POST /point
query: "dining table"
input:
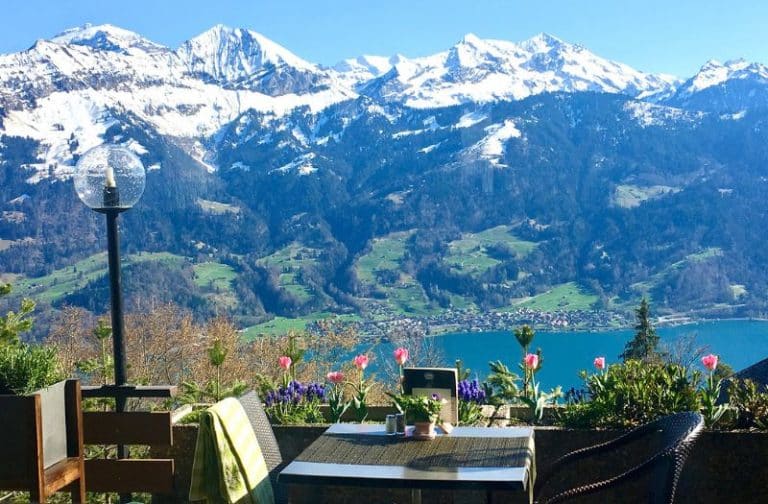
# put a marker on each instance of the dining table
(362, 463)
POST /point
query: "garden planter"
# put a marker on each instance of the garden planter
(53, 425)
(424, 431)
(42, 442)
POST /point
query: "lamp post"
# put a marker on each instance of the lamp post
(110, 180)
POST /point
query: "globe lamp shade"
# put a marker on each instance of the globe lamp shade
(109, 177)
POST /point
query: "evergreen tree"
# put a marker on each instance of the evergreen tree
(643, 345)
(13, 324)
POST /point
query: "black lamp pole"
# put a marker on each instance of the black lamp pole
(112, 210)
(116, 291)
(96, 183)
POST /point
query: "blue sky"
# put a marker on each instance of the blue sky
(672, 36)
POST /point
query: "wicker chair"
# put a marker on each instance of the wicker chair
(267, 442)
(678, 433)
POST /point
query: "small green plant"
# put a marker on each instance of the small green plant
(750, 403)
(632, 393)
(25, 368)
(504, 383)
(214, 390)
(712, 411)
(337, 404)
(361, 389)
(419, 408)
(217, 354)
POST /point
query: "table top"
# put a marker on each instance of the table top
(468, 458)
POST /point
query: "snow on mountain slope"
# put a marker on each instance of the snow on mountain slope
(649, 114)
(356, 71)
(714, 73)
(244, 59)
(729, 88)
(232, 53)
(67, 91)
(106, 37)
(478, 70)
(491, 147)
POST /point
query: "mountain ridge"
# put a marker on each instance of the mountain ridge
(474, 177)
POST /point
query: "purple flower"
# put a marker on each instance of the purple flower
(471, 391)
(295, 392)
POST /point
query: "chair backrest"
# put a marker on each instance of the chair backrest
(262, 428)
(443, 381)
(253, 407)
(677, 434)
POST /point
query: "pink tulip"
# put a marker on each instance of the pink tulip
(361, 362)
(285, 362)
(709, 361)
(599, 363)
(401, 355)
(335, 377)
(531, 361)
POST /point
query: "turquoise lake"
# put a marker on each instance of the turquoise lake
(740, 343)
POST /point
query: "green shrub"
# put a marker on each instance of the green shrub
(751, 405)
(631, 394)
(26, 368)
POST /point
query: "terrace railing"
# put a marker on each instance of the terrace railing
(153, 429)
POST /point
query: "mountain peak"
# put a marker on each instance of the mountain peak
(105, 37)
(543, 42)
(243, 51)
(471, 39)
(710, 65)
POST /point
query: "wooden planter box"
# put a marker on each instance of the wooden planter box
(41, 440)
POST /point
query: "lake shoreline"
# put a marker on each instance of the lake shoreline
(602, 329)
(740, 342)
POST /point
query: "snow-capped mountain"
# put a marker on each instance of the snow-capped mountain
(107, 37)
(732, 87)
(356, 71)
(607, 172)
(479, 70)
(243, 59)
(67, 90)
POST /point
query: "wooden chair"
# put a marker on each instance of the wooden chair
(28, 425)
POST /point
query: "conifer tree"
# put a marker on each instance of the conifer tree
(643, 345)
(13, 324)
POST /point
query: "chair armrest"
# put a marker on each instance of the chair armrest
(583, 453)
(604, 484)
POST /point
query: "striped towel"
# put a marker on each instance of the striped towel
(229, 466)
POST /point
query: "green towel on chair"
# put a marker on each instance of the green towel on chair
(229, 466)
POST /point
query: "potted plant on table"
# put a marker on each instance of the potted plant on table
(423, 411)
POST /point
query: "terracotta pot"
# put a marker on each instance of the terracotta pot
(424, 430)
